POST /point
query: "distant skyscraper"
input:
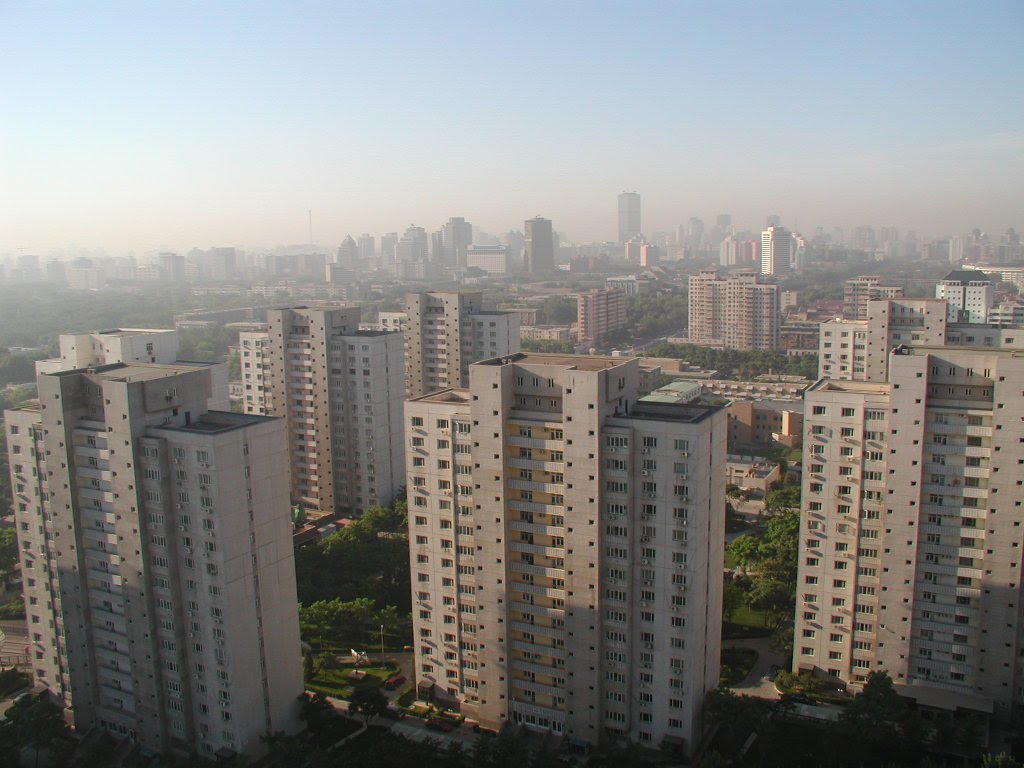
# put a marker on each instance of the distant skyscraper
(629, 216)
(772, 220)
(348, 253)
(456, 237)
(539, 245)
(777, 249)
(367, 247)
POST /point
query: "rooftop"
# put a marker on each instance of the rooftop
(858, 387)
(444, 396)
(684, 412)
(967, 276)
(576, 362)
(129, 372)
(125, 332)
(214, 422)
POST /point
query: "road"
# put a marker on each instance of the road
(752, 684)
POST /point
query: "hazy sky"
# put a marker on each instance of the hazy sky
(141, 125)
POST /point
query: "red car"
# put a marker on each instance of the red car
(441, 724)
(393, 682)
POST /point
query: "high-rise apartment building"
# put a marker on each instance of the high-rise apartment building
(538, 245)
(340, 389)
(858, 291)
(448, 330)
(566, 544)
(736, 251)
(858, 350)
(599, 312)
(155, 547)
(910, 553)
(737, 311)
(970, 294)
(778, 251)
(629, 216)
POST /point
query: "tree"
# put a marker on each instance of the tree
(36, 722)
(744, 549)
(369, 702)
(733, 598)
(8, 554)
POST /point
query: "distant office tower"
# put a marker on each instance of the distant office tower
(156, 557)
(367, 248)
(223, 264)
(970, 294)
(172, 267)
(777, 251)
(539, 245)
(492, 259)
(629, 216)
(650, 255)
(910, 550)
(858, 291)
(456, 238)
(724, 222)
(772, 220)
(348, 253)
(695, 233)
(734, 251)
(598, 313)
(340, 389)
(735, 312)
(412, 252)
(566, 550)
(388, 250)
(633, 247)
(447, 331)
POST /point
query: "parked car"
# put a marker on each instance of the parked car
(394, 682)
(391, 712)
(441, 724)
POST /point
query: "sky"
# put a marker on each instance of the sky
(136, 126)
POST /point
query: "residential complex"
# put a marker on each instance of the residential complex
(911, 528)
(341, 390)
(599, 312)
(566, 545)
(858, 291)
(448, 330)
(858, 350)
(737, 311)
(156, 557)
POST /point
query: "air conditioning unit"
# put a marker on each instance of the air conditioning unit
(652, 495)
(645, 539)
(645, 561)
(648, 583)
(611, 450)
(644, 472)
(645, 450)
(643, 603)
(684, 477)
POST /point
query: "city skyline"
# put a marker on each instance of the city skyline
(175, 127)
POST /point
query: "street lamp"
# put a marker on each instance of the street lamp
(382, 642)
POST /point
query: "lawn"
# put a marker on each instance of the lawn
(745, 622)
(332, 679)
(736, 664)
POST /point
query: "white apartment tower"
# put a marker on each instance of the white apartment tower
(566, 545)
(910, 554)
(737, 311)
(969, 293)
(341, 391)
(778, 251)
(448, 330)
(156, 554)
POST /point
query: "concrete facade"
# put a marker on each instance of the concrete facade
(566, 549)
(734, 312)
(155, 542)
(910, 556)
